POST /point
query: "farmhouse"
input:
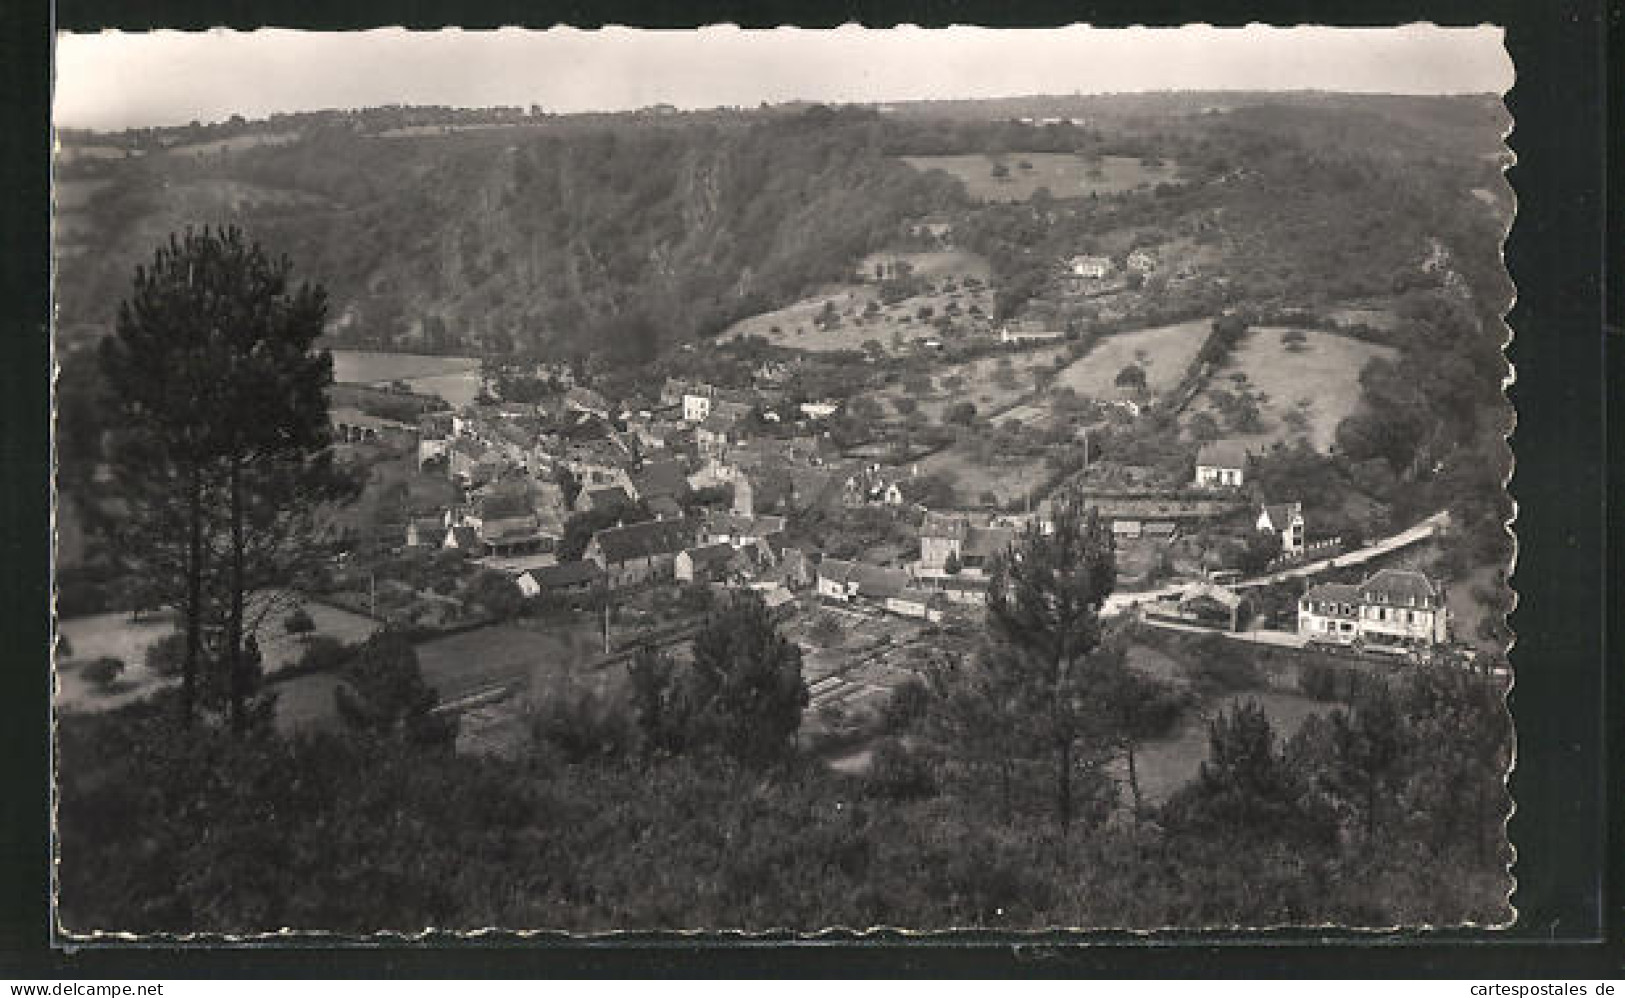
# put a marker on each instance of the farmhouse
(1284, 520)
(1393, 608)
(638, 552)
(1221, 464)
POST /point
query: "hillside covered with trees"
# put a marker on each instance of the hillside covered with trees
(524, 234)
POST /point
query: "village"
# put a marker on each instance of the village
(619, 516)
(1007, 512)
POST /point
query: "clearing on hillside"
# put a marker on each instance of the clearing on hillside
(893, 326)
(1162, 352)
(933, 265)
(983, 382)
(1320, 379)
(1065, 174)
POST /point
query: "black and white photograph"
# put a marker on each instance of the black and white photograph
(737, 481)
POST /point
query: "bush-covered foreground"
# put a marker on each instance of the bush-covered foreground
(1381, 815)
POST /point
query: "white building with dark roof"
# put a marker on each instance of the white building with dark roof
(1221, 464)
(1394, 607)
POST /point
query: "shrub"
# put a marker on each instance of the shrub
(164, 656)
(906, 705)
(898, 774)
(323, 653)
(299, 622)
(104, 671)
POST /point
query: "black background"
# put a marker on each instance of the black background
(1567, 782)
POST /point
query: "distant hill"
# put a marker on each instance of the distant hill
(506, 230)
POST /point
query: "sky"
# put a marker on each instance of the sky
(116, 80)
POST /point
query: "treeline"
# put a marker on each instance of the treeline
(1383, 813)
(679, 798)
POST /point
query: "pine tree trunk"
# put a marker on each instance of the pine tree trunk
(194, 598)
(234, 676)
(1133, 781)
(1063, 784)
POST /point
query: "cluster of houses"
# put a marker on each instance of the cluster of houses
(689, 494)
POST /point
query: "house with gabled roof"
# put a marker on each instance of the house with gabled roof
(1393, 608)
(1221, 464)
(706, 563)
(634, 553)
(566, 577)
(1284, 520)
(608, 497)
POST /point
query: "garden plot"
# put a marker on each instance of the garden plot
(1065, 175)
(1320, 380)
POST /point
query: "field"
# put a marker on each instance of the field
(460, 664)
(1377, 317)
(455, 379)
(895, 326)
(933, 265)
(1008, 478)
(1164, 352)
(980, 383)
(1325, 374)
(280, 649)
(1066, 175)
(456, 666)
(112, 635)
(116, 635)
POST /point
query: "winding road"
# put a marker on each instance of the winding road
(1118, 603)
